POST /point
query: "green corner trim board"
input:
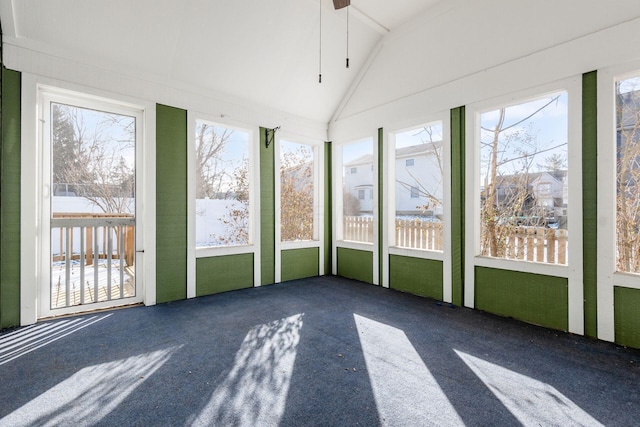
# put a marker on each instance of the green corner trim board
(533, 298)
(267, 209)
(590, 200)
(457, 203)
(171, 203)
(328, 208)
(10, 151)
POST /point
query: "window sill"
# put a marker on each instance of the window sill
(416, 253)
(523, 266)
(225, 250)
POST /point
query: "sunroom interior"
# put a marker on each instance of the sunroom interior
(479, 153)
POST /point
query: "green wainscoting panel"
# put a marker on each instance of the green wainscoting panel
(381, 210)
(590, 201)
(328, 208)
(10, 200)
(416, 276)
(457, 203)
(223, 273)
(267, 211)
(299, 263)
(355, 264)
(627, 316)
(171, 203)
(533, 298)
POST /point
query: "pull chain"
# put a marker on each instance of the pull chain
(320, 49)
(347, 37)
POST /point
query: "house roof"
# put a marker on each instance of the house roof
(427, 147)
(366, 159)
(413, 150)
(516, 179)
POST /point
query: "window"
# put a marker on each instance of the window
(523, 180)
(354, 170)
(297, 192)
(627, 98)
(223, 197)
(357, 209)
(419, 192)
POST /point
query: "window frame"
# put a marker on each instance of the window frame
(573, 269)
(318, 190)
(209, 251)
(318, 203)
(338, 201)
(608, 277)
(390, 196)
(34, 270)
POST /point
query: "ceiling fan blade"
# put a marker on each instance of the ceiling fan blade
(339, 4)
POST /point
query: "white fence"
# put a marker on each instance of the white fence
(537, 244)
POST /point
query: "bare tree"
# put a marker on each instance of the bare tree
(210, 169)
(505, 197)
(296, 195)
(628, 176)
(96, 156)
(236, 217)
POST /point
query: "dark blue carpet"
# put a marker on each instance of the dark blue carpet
(320, 351)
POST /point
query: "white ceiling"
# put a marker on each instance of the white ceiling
(262, 52)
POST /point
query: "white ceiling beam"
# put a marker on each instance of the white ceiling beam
(7, 12)
(366, 19)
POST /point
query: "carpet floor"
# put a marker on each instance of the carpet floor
(319, 351)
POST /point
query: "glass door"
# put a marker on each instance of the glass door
(90, 173)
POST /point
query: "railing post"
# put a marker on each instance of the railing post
(530, 237)
(551, 246)
(540, 244)
(89, 243)
(562, 246)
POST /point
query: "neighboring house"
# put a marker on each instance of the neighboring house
(358, 181)
(419, 181)
(419, 184)
(545, 197)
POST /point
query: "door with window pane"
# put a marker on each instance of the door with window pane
(91, 206)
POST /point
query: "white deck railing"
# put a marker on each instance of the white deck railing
(81, 243)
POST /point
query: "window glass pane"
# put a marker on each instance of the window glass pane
(93, 160)
(419, 187)
(222, 186)
(93, 225)
(523, 180)
(628, 175)
(296, 191)
(357, 209)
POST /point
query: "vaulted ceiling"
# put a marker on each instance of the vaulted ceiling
(266, 52)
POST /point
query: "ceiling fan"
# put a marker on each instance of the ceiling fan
(339, 4)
